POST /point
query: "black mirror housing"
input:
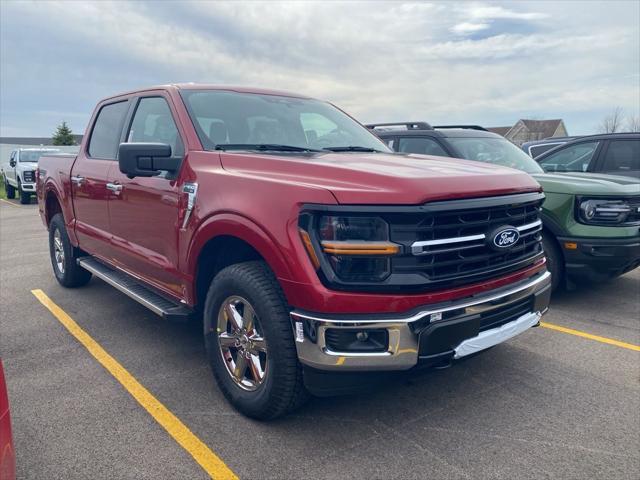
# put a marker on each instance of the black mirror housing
(146, 159)
(12, 163)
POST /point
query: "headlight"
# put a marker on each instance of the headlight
(356, 249)
(603, 211)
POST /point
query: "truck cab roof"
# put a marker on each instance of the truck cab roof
(208, 86)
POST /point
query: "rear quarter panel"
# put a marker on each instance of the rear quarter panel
(54, 179)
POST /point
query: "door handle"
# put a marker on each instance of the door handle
(77, 180)
(114, 187)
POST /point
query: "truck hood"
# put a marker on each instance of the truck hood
(581, 183)
(380, 178)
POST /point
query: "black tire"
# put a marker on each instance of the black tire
(25, 197)
(555, 261)
(282, 389)
(10, 189)
(70, 274)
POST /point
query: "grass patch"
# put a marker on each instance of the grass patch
(3, 194)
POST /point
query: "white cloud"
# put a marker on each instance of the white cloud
(379, 61)
(479, 11)
(466, 28)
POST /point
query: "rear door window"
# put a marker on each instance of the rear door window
(421, 145)
(105, 136)
(622, 157)
(574, 158)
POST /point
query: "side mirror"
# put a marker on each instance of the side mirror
(12, 162)
(146, 159)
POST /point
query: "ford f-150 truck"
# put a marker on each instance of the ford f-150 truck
(20, 172)
(313, 254)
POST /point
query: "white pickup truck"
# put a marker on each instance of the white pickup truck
(20, 172)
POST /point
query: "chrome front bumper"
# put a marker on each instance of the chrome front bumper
(403, 350)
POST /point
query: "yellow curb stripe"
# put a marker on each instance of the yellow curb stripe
(9, 203)
(597, 338)
(208, 460)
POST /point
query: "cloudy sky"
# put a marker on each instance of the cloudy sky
(489, 63)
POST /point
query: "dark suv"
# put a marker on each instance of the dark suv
(590, 219)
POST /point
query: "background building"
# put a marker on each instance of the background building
(528, 130)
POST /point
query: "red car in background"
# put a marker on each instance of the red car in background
(7, 455)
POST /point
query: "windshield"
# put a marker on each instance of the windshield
(498, 151)
(271, 121)
(32, 156)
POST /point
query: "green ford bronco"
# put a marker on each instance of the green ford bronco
(591, 220)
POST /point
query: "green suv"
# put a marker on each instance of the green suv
(591, 220)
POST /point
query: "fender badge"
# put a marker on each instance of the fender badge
(191, 189)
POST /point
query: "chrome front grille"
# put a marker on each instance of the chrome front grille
(452, 244)
(442, 245)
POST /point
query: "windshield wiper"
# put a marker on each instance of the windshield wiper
(352, 148)
(264, 147)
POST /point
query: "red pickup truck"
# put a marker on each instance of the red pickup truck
(314, 255)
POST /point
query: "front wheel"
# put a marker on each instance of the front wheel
(10, 189)
(25, 197)
(64, 256)
(249, 342)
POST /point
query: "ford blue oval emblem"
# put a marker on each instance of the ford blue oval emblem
(506, 237)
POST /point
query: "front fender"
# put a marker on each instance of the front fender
(235, 225)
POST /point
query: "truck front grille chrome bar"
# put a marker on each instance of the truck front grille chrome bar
(417, 248)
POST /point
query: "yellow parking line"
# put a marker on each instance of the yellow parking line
(597, 338)
(9, 203)
(208, 460)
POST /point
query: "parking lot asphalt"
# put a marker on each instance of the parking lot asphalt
(546, 404)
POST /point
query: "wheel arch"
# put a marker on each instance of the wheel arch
(227, 239)
(552, 230)
(550, 224)
(52, 206)
(548, 233)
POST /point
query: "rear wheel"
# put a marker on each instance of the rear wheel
(10, 189)
(555, 261)
(25, 197)
(64, 256)
(249, 341)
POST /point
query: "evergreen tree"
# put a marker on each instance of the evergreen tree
(63, 135)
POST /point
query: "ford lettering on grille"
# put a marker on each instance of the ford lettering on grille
(506, 237)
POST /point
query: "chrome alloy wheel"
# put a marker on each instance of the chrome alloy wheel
(58, 250)
(242, 344)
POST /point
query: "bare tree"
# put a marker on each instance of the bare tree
(633, 123)
(612, 123)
